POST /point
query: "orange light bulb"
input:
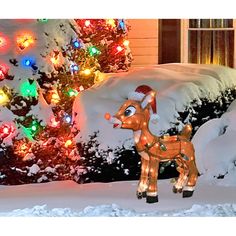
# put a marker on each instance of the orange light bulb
(107, 116)
(24, 41)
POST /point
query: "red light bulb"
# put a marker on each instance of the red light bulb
(3, 72)
(6, 130)
(54, 122)
(87, 23)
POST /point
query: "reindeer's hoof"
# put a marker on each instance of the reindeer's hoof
(187, 193)
(177, 190)
(144, 194)
(151, 199)
(141, 195)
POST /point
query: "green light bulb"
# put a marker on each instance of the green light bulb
(43, 20)
(72, 92)
(31, 130)
(28, 90)
(34, 128)
(93, 51)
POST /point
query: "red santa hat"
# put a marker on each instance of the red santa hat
(138, 95)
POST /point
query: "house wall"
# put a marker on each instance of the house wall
(143, 37)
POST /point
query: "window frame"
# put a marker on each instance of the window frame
(185, 43)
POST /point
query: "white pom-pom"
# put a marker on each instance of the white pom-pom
(154, 118)
(135, 96)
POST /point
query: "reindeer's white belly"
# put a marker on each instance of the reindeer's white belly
(137, 135)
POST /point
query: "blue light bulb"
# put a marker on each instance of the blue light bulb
(27, 62)
(68, 119)
(76, 44)
(122, 24)
(76, 68)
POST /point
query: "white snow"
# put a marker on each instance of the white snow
(215, 148)
(177, 86)
(66, 198)
(114, 210)
(33, 170)
(50, 36)
(50, 169)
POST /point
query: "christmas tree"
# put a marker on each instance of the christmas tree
(44, 65)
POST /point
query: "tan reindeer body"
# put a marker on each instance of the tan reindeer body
(135, 115)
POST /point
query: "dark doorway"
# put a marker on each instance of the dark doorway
(169, 41)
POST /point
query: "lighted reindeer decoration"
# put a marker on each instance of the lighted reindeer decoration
(135, 114)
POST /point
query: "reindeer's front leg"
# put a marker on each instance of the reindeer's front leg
(143, 181)
(152, 196)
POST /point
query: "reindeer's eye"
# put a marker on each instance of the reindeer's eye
(130, 111)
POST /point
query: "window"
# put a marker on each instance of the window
(211, 41)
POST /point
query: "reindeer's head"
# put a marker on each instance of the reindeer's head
(133, 114)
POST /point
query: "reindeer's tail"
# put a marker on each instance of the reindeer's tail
(187, 131)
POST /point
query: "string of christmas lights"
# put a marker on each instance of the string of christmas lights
(100, 45)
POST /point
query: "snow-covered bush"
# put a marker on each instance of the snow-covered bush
(215, 148)
(186, 93)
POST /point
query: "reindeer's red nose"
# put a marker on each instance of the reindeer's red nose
(107, 116)
(115, 125)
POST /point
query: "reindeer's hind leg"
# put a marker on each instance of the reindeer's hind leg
(192, 178)
(183, 176)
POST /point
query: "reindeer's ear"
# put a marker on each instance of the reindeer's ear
(148, 99)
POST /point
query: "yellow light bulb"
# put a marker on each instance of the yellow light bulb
(68, 143)
(126, 43)
(54, 61)
(26, 44)
(86, 72)
(87, 23)
(3, 98)
(111, 22)
(55, 97)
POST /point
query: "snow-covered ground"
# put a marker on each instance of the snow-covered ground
(66, 198)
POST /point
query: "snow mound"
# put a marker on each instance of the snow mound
(215, 148)
(41, 211)
(177, 85)
(195, 210)
(114, 210)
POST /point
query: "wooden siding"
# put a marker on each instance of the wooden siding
(143, 37)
